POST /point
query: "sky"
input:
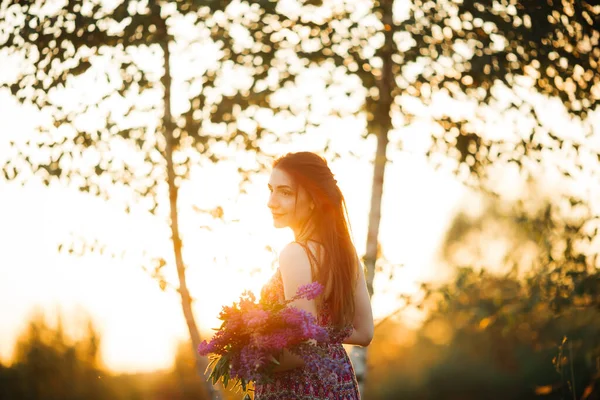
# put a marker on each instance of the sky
(139, 323)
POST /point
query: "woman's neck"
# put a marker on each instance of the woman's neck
(306, 232)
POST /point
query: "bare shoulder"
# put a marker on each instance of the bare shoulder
(295, 270)
(293, 260)
(293, 253)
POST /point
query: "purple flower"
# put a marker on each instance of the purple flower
(294, 316)
(304, 322)
(205, 348)
(251, 359)
(310, 291)
(216, 345)
(255, 318)
(277, 340)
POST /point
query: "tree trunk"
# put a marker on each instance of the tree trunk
(382, 125)
(186, 301)
(359, 354)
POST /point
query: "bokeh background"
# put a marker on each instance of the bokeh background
(136, 139)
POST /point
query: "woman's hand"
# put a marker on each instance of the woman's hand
(288, 361)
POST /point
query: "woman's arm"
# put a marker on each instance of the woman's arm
(362, 334)
(294, 266)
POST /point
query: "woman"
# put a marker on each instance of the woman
(305, 197)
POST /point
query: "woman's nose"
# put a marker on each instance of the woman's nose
(271, 203)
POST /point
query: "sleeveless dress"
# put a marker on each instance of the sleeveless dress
(302, 383)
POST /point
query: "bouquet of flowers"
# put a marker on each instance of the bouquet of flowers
(254, 334)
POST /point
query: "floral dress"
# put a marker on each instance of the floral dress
(302, 383)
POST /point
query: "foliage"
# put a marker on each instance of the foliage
(534, 314)
(510, 59)
(559, 233)
(402, 56)
(49, 365)
(103, 77)
(554, 43)
(489, 336)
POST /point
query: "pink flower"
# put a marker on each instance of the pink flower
(295, 316)
(277, 340)
(255, 318)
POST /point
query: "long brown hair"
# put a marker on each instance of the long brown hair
(330, 225)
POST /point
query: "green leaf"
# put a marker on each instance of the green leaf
(225, 380)
(275, 360)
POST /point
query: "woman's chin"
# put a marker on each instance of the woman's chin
(278, 225)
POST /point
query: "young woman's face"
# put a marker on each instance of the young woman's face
(290, 204)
